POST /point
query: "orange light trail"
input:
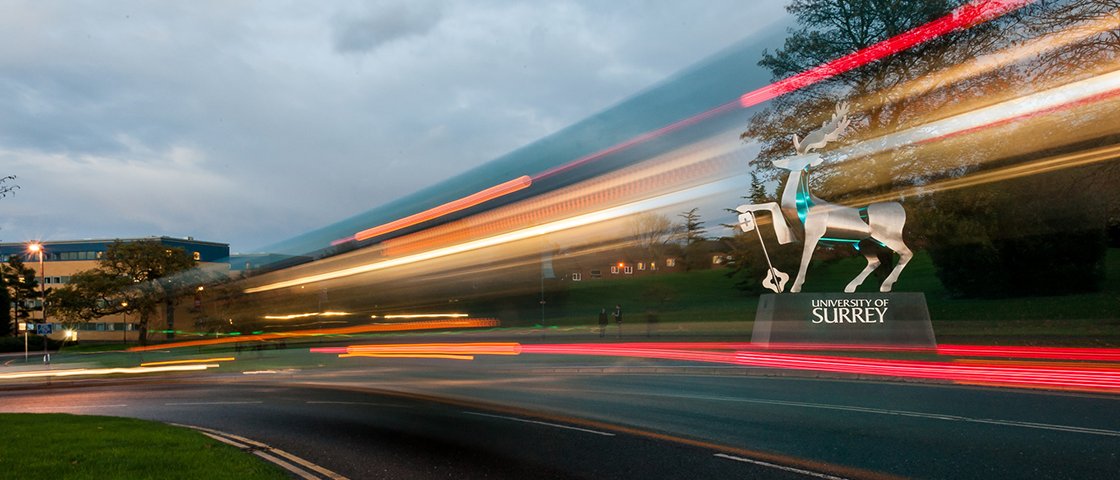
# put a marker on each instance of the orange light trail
(500, 190)
(179, 362)
(394, 327)
(456, 351)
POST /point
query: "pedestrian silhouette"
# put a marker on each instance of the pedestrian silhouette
(618, 318)
(602, 322)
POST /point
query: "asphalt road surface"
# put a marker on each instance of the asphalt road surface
(437, 419)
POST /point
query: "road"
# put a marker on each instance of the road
(381, 418)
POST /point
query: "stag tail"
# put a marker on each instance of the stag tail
(830, 131)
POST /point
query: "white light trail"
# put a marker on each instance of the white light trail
(612, 213)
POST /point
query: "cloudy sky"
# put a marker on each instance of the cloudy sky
(252, 122)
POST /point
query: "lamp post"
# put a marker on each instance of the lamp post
(36, 247)
(124, 323)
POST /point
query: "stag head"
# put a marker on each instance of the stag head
(830, 131)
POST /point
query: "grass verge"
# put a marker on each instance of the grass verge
(64, 446)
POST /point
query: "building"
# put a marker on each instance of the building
(64, 258)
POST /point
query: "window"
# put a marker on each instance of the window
(614, 270)
(629, 270)
(670, 262)
(197, 256)
(596, 274)
(653, 265)
(576, 277)
(641, 265)
(717, 259)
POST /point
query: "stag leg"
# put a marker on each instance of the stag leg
(815, 227)
(887, 220)
(869, 252)
(904, 256)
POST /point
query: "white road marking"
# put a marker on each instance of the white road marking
(904, 413)
(780, 467)
(569, 427)
(212, 403)
(371, 404)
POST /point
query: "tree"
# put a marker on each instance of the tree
(758, 191)
(5, 314)
(6, 190)
(90, 295)
(22, 284)
(653, 233)
(692, 228)
(133, 277)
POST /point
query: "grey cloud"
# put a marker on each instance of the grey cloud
(368, 31)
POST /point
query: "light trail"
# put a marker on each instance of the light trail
(104, 371)
(454, 351)
(523, 234)
(305, 315)
(964, 17)
(993, 61)
(1081, 378)
(180, 362)
(1035, 167)
(358, 329)
(468, 201)
(423, 315)
(1066, 96)
(967, 16)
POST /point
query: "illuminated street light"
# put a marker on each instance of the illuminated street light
(36, 247)
(124, 323)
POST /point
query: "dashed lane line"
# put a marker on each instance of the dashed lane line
(368, 404)
(248, 402)
(780, 467)
(905, 413)
(538, 422)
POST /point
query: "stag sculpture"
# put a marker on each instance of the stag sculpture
(814, 220)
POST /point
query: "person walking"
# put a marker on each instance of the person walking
(618, 318)
(602, 322)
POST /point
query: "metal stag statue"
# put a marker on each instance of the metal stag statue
(813, 219)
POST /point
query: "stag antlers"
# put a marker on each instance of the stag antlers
(829, 131)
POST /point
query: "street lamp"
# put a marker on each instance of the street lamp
(124, 323)
(36, 247)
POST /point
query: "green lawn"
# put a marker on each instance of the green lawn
(709, 295)
(63, 446)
